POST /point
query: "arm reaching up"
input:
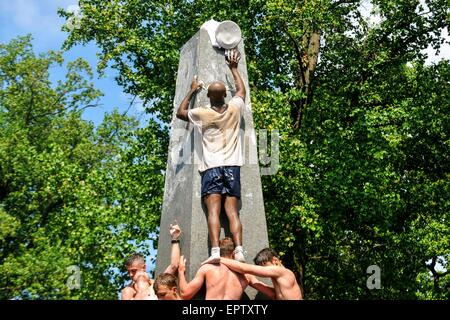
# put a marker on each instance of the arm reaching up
(232, 63)
(175, 233)
(182, 112)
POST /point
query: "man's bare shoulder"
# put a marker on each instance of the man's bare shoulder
(286, 275)
(214, 269)
(128, 288)
(281, 270)
(208, 267)
(287, 271)
(128, 292)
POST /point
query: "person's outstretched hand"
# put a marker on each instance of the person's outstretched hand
(175, 231)
(233, 59)
(196, 85)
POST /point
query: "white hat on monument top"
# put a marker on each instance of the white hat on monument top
(228, 34)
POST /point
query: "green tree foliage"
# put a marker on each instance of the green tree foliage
(70, 195)
(364, 124)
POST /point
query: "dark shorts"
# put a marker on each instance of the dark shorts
(222, 180)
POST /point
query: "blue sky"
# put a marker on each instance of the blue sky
(40, 18)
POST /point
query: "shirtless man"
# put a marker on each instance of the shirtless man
(267, 264)
(166, 287)
(221, 282)
(136, 264)
(143, 286)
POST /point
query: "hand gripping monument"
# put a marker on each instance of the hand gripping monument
(203, 58)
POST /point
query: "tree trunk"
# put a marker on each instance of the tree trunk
(308, 63)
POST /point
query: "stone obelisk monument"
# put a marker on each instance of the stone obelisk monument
(182, 197)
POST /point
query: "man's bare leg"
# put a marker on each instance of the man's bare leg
(214, 204)
(231, 210)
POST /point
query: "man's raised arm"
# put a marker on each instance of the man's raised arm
(175, 232)
(182, 112)
(233, 64)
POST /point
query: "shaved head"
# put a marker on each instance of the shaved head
(217, 91)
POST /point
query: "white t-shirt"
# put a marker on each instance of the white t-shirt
(220, 134)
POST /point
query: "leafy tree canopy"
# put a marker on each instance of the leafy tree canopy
(70, 194)
(364, 148)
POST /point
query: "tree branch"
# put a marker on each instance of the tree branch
(298, 54)
(338, 3)
(64, 109)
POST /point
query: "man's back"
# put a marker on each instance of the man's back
(220, 134)
(222, 283)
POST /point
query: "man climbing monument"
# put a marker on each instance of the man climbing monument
(219, 126)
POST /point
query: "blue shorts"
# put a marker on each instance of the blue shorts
(222, 180)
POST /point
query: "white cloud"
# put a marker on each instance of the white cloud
(73, 8)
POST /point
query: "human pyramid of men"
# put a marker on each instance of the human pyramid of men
(225, 273)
